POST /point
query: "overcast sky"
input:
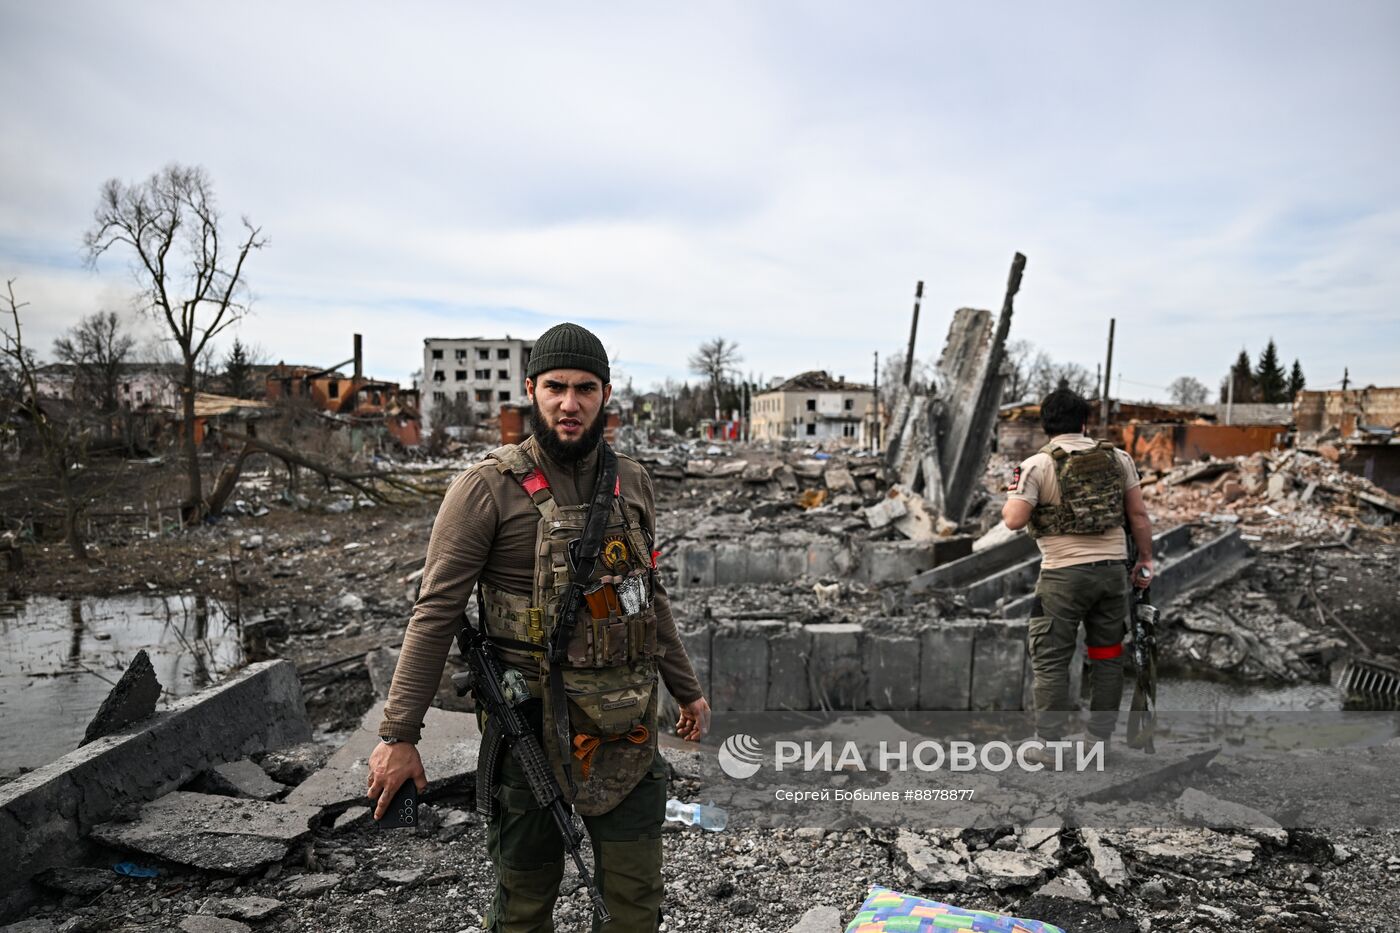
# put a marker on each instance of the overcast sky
(779, 174)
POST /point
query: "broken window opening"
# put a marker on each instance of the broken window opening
(437, 354)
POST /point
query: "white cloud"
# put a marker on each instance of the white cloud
(780, 174)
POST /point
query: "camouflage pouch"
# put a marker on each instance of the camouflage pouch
(613, 718)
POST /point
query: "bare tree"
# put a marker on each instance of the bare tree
(1018, 370)
(96, 347)
(1186, 390)
(63, 443)
(714, 360)
(190, 278)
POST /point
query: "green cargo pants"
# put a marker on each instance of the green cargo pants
(529, 856)
(1096, 595)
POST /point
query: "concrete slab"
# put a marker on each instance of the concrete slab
(827, 559)
(130, 701)
(945, 665)
(239, 779)
(696, 567)
(764, 562)
(731, 564)
(891, 665)
(46, 814)
(998, 666)
(894, 561)
(792, 561)
(739, 667)
(788, 653)
(213, 833)
(838, 680)
(449, 748)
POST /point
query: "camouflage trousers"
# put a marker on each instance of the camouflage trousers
(1096, 595)
(529, 856)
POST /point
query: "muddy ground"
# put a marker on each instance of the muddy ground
(322, 583)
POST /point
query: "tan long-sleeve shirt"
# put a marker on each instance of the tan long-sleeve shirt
(485, 529)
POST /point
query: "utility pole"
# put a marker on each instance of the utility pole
(1107, 375)
(1098, 379)
(875, 424)
(913, 332)
(1230, 397)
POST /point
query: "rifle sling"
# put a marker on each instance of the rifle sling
(590, 546)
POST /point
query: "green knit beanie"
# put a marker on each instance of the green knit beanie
(568, 346)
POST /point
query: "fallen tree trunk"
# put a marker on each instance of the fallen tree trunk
(367, 483)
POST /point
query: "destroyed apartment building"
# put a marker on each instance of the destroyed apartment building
(809, 580)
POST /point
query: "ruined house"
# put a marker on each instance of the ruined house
(489, 372)
(814, 407)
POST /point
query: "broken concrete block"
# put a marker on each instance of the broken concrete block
(786, 478)
(213, 833)
(449, 748)
(998, 666)
(130, 701)
(838, 681)
(350, 819)
(731, 564)
(1205, 810)
(1202, 852)
(1104, 860)
(241, 908)
(945, 665)
(894, 561)
(936, 869)
(788, 687)
(1001, 869)
(891, 665)
(886, 510)
(45, 814)
(380, 664)
(839, 480)
(918, 523)
(696, 566)
(1069, 886)
(202, 923)
(403, 877)
(295, 763)
(1279, 486)
(239, 779)
(739, 668)
(84, 882)
(313, 885)
(821, 919)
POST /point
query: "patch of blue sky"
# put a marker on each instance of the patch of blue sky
(15, 251)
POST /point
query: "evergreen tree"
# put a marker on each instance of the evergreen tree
(1269, 377)
(1242, 373)
(1295, 381)
(238, 371)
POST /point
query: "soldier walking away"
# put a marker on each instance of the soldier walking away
(511, 526)
(1073, 497)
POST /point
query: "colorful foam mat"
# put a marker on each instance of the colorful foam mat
(886, 911)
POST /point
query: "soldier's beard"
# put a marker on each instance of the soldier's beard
(558, 449)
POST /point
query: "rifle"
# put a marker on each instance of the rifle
(1142, 715)
(500, 692)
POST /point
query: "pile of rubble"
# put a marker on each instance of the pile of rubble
(1288, 493)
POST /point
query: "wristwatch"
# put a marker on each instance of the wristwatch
(389, 739)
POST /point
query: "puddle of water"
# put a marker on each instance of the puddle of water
(1182, 694)
(55, 654)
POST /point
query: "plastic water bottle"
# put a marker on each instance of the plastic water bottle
(705, 816)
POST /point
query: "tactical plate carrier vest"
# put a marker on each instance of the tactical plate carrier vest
(610, 675)
(1091, 493)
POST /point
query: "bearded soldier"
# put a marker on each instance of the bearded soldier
(1075, 494)
(511, 526)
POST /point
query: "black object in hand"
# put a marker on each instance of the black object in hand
(403, 809)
